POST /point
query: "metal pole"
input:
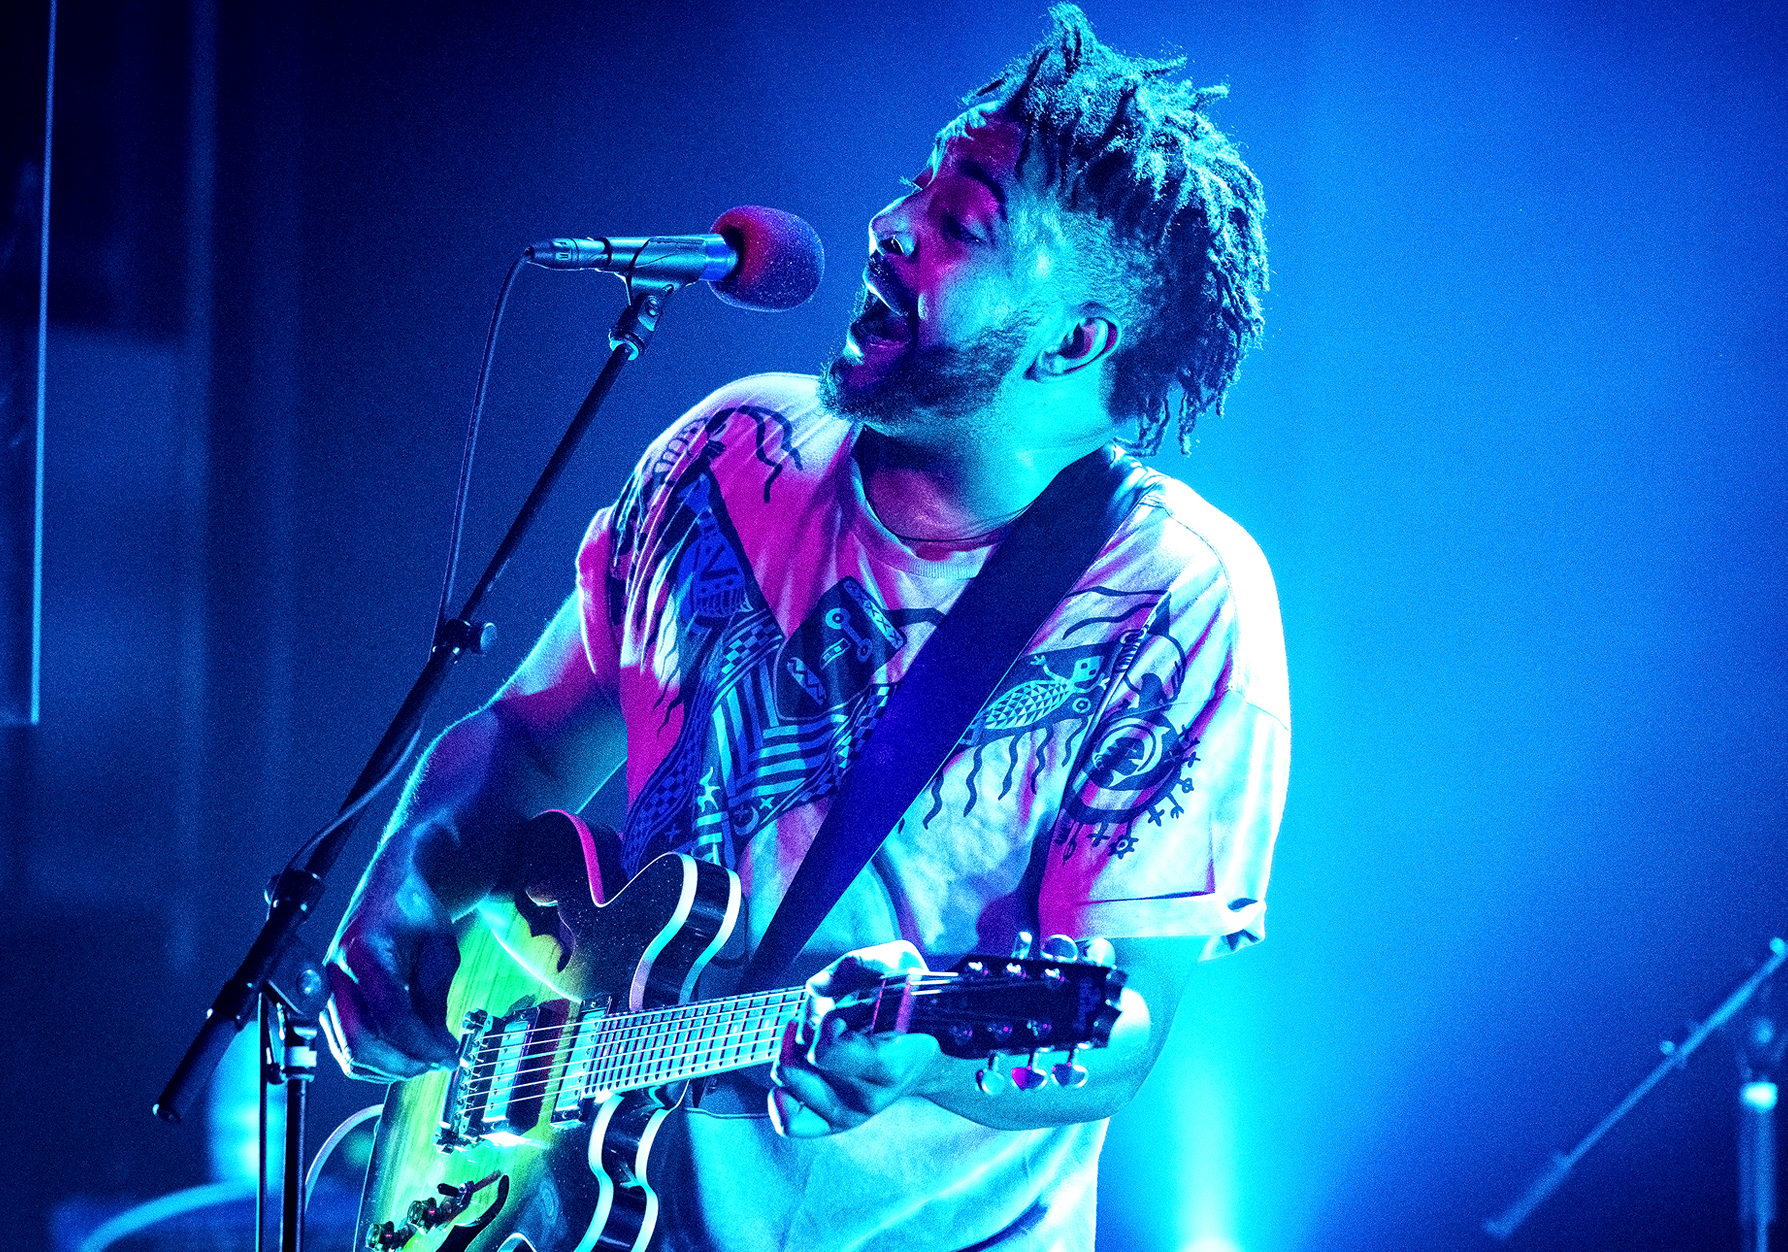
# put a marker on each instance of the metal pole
(1676, 1056)
(1757, 1162)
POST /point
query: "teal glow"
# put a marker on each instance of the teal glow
(1759, 1095)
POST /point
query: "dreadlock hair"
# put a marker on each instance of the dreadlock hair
(1112, 137)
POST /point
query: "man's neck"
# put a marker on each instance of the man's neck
(945, 495)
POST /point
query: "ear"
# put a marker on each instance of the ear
(1086, 342)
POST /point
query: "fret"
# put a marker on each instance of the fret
(652, 1047)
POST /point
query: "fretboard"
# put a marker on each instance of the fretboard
(627, 1051)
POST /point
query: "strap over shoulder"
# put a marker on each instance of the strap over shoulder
(986, 632)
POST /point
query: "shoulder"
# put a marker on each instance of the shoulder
(788, 397)
(1207, 557)
(780, 412)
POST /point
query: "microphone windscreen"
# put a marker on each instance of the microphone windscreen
(780, 259)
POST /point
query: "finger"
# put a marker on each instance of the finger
(867, 1075)
(810, 1091)
(794, 1120)
(361, 1052)
(793, 1074)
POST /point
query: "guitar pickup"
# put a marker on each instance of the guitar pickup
(576, 1098)
(499, 1086)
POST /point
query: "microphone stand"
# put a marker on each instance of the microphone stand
(1761, 1043)
(279, 976)
(1676, 1056)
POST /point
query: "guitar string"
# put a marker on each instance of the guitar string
(641, 1023)
(712, 1039)
(699, 1016)
(625, 1033)
(697, 1022)
(634, 1061)
(642, 1072)
(696, 1014)
(704, 1012)
(653, 1065)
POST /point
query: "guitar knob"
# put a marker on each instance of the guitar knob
(1061, 948)
(1023, 945)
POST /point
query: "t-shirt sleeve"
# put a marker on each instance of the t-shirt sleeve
(1168, 824)
(595, 566)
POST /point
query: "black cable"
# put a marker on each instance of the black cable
(465, 463)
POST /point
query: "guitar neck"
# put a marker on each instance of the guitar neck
(652, 1047)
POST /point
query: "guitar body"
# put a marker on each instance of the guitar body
(535, 1184)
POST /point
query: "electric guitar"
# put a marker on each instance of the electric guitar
(578, 1037)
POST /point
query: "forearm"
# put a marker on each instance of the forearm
(547, 740)
(453, 831)
(830, 1077)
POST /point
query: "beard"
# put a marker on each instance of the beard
(948, 383)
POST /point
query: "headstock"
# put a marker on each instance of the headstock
(1027, 1005)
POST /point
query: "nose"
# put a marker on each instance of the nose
(891, 230)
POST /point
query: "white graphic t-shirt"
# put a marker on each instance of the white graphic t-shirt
(751, 616)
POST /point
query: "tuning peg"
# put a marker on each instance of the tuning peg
(1023, 945)
(1067, 1074)
(990, 1080)
(1028, 1077)
(1097, 951)
(1060, 948)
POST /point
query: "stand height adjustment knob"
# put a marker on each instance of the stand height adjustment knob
(463, 636)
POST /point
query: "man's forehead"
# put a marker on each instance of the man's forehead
(992, 137)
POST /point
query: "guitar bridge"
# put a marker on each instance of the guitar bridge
(499, 1086)
(505, 1077)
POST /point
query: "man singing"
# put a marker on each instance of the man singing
(1079, 262)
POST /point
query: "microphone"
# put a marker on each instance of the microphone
(754, 257)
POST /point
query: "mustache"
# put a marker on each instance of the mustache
(877, 272)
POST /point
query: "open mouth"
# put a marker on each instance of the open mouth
(875, 320)
(884, 307)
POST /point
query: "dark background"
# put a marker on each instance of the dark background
(1513, 445)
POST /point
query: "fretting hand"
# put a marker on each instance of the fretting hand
(830, 1076)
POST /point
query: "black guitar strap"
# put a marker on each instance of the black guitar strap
(960, 666)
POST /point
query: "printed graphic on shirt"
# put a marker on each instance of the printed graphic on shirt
(1138, 758)
(832, 657)
(769, 721)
